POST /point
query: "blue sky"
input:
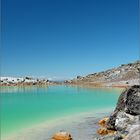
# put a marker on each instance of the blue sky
(65, 38)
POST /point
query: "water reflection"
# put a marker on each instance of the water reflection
(22, 89)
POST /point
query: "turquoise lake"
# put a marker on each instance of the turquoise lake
(22, 107)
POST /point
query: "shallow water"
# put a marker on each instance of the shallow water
(28, 106)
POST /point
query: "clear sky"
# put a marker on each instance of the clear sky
(65, 38)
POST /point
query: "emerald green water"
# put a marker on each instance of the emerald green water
(24, 107)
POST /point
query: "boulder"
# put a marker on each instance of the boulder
(61, 136)
(103, 121)
(124, 120)
(128, 102)
(132, 104)
(105, 131)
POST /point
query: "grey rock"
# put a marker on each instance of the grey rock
(134, 133)
(133, 100)
(120, 107)
(111, 121)
(129, 102)
(125, 121)
(121, 121)
(110, 137)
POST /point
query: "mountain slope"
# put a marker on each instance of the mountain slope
(126, 74)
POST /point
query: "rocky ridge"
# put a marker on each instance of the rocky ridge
(124, 75)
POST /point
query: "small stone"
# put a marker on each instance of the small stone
(103, 121)
(61, 136)
(105, 131)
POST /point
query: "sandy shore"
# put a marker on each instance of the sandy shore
(82, 126)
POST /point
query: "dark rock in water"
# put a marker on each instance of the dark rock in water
(129, 102)
(126, 117)
(133, 100)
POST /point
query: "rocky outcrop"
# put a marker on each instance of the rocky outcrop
(124, 75)
(123, 123)
(61, 136)
(128, 103)
(125, 119)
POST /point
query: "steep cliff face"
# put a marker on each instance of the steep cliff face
(126, 74)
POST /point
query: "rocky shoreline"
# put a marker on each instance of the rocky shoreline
(125, 120)
(122, 124)
(26, 81)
